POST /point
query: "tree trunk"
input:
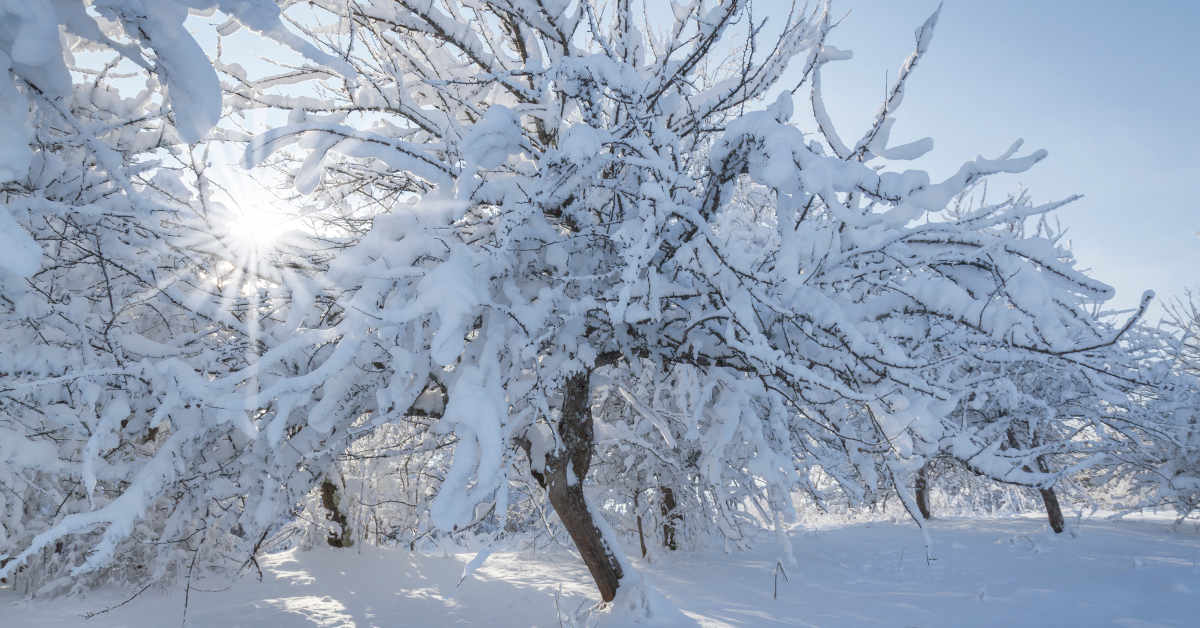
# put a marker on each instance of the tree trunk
(669, 517)
(1049, 498)
(641, 533)
(563, 480)
(922, 489)
(1053, 511)
(331, 500)
(573, 511)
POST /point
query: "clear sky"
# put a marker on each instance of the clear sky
(1110, 88)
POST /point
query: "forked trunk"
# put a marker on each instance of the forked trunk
(922, 490)
(563, 480)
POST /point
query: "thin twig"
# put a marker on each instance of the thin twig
(187, 592)
(91, 614)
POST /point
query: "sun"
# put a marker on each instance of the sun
(254, 220)
(257, 228)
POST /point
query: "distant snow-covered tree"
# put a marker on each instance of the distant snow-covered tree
(1163, 410)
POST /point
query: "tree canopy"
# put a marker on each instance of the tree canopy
(566, 241)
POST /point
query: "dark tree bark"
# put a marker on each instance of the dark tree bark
(641, 532)
(1049, 498)
(922, 490)
(669, 517)
(563, 480)
(1053, 512)
(331, 500)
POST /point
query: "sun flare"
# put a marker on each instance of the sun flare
(255, 221)
(258, 228)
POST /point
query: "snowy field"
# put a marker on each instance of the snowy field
(1006, 572)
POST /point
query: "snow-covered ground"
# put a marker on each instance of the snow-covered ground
(998, 572)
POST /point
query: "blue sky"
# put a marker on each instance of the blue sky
(1110, 89)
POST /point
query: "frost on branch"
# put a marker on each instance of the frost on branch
(122, 303)
(625, 216)
(564, 246)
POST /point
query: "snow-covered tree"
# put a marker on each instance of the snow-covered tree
(576, 195)
(1162, 411)
(541, 199)
(123, 289)
(1179, 410)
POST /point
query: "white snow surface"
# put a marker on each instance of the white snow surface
(994, 572)
(19, 253)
